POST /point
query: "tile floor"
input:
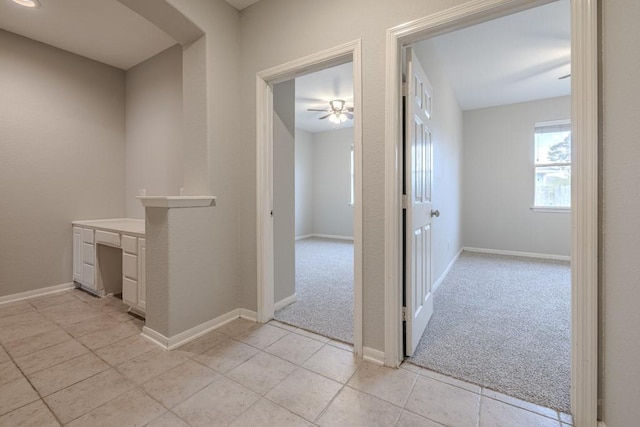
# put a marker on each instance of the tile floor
(72, 359)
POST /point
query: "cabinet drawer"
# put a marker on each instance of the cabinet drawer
(88, 254)
(130, 266)
(107, 238)
(129, 291)
(130, 244)
(87, 235)
(88, 272)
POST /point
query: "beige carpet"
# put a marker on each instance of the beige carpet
(504, 323)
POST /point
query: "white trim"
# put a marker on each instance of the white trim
(169, 343)
(248, 314)
(584, 215)
(446, 271)
(518, 253)
(551, 123)
(177, 201)
(601, 424)
(326, 236)
(347, 52)
(373, 355)
(7, 299)
(285, 302)
(547, 209)
(333, 236)
(585, 170)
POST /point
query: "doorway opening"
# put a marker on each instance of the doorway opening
(272, 261)
(583, 176)
(313, 202)
(495, 141)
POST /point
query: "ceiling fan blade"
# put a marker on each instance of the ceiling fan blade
(324, 117)
(315, 109)
(349, 115)
(350, 109)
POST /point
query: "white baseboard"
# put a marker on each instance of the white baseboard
(169, 343)
(373, 356)
(248, 314)
(516, 253)
(332, 236)
(601, 424)
(285, 302)
(445, 272)
(36, 293)
(306, 236)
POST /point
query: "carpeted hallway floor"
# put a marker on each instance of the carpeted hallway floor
(503, 323)
(324, 289)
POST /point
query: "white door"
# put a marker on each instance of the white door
(417, 203)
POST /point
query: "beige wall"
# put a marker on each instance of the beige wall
(274, 32)
(331, 173)
(212, 164)
(284, 268)
(303, 182)
(620, 284)
(499, 180)
(62, 157)
(154, 131)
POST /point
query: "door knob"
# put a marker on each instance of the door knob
(435, 213)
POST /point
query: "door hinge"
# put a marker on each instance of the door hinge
(404, 314)
(405, 201)
(405, 89)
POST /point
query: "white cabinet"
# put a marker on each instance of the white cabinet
(84, 258)
(142, 274)
(132, 272)
(123, 234)
(77, 254)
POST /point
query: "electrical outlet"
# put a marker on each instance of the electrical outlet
(182, 191)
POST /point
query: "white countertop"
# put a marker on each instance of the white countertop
(118, 225)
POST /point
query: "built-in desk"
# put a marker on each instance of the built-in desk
(109, 256)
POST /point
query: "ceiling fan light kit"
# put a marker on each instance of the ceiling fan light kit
(338, 112)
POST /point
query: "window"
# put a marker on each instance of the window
(552, 164)
(353, 180)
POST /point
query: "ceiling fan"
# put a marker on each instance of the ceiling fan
(338, 111)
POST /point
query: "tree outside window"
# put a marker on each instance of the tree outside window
(552, 165)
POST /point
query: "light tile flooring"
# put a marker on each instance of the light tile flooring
(76, 360)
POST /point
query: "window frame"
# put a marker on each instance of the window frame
(542, 208)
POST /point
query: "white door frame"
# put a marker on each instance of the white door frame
(584, 194)
(265, 80)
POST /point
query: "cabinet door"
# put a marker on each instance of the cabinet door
(77, 254)
(142, 274)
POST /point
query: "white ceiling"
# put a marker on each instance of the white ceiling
(512, 59)
(315, 90)
(241, 4)
(103, 30)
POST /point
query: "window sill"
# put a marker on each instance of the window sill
(550, 209)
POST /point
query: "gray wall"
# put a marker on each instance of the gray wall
(62, 157)
(283, 189)
(154, 133)
(499, 180)
(303, 182)
(332, 214)
(214, 125)
(620, 201)
(323, 183)
(447, 135)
